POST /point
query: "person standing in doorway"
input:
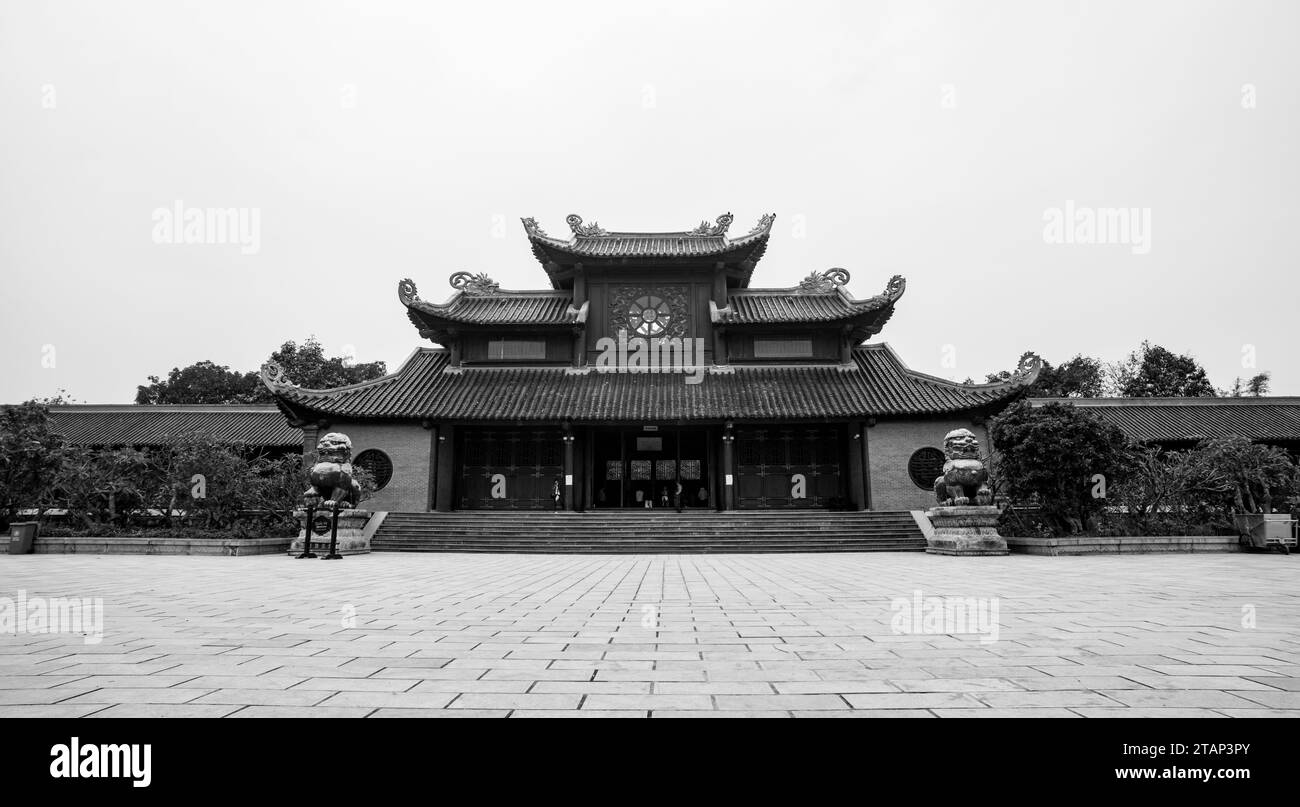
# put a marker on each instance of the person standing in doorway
(677, 495)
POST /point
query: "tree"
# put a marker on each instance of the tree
(307, 366)
(1232, 474)
(30, 456)
(1155, 372)
(1256, 387)
(1080, 377)
(201, 383)
(206, 382)
(102, 486)
(1052, 456)
(1259, 385)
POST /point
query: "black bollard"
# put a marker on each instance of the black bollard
(334, 536)
(307, 533)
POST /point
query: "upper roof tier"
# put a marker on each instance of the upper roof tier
(819, 300)
(592, 245)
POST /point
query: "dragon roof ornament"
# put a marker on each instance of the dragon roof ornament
(406, 292)
(764, 223)
(474, 285)
(823, 282)
(723, 223)
(1027, 370)
(575, 223)
(273, 375)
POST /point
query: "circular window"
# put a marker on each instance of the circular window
(649, 315)
(925, 466)
(377, 464)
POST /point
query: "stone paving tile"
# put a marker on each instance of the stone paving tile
(309, 711)
(914, 700)
(876, 713)
(758, 635)
(954, 685)
(152, 710)
(1003, 712)
(48, 695)
(648, 702)
(485, 700)
(722, 713)
(1149, 712)
(390, 700)
(624, 713)
(155, 695)
(48, 710)
(1273, 700)
(359, 684)
(492, 713)
(1193, 698)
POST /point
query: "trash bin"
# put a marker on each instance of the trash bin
(21, 536)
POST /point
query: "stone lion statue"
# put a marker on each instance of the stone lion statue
(964, 476)
(331, 476)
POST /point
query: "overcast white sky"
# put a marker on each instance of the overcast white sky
(382, 140)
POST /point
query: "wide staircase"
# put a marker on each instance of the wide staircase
(650, 531)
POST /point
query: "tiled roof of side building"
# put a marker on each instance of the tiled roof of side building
(1190, 419)
(139, 425)
(876, 384)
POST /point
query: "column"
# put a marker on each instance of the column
(431, 503)
(568, 468)
(728, 470)
(857, 493)
(446, 471)
(866, 461)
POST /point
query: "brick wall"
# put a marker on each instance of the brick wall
(407, 446)
(892, 444)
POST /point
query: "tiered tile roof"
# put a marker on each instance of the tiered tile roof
(591, 243)
(877, 383)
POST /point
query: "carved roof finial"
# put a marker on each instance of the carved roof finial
(823, 282)
(406, 291)
(472, 284)
(575, 223)
(273, 375)
(719, 228)
(764, 223)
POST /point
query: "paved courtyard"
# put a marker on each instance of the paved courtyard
(432, 635)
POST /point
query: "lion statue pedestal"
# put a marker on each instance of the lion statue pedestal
(332, 483)
(965, 522)
(352, 540)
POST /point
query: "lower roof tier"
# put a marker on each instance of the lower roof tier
(875, 384)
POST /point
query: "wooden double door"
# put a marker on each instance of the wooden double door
(637, 466)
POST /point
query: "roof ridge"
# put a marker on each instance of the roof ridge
(274, 381)
(253, 408)
(1179, 401)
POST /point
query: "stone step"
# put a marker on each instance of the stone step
(637, 531)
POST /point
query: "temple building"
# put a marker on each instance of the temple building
(649, 361)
